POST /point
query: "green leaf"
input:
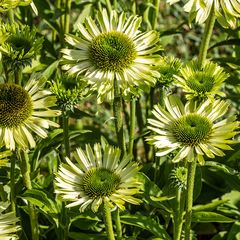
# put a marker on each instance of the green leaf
(209, 206)
(233, 41)
(234, 233)
(146, 223)
(220, 236)
(210, 217)
(41, 199)
(86, 236)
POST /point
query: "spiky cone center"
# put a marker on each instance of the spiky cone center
(201, 82)
(15, 105)
(100, 182)
(191, 129)
(112, 51)
(18, 43)
(179, 177)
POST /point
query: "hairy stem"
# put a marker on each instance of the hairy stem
(12, 182)
(117, 112)
(118, 224)
(108, 221)
(206, 36)
(26, 171)
(132, 125)
(65, 121)
(190, 187)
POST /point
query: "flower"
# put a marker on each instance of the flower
(98, 176)
(168, 66)
(178, 177)
(193, 130)
(8, 222)
(202, 82)
(226, 11)
(23, 109)
(113, 49)
(69, 92)
(19, 45)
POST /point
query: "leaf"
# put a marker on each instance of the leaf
(209, 206)
(86, 236)
(220, 236)
(41, 199)
(234, 232)
(210, 217)
(233, 41)
(49, 70)
(146, 223)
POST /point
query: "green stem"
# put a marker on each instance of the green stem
(26, 171)
(155, 13)
(108, 221)
(66, 135)
(190, 187)
(3, 194)
(162, 93)
(132, 125)
(178, 218)
(12, 182)
(117, 112)
(18, 76)
(68, 4)
(118, 224)
(206, 37)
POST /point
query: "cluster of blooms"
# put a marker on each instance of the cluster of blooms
(112, 48)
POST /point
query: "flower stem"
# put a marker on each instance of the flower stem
(3, 195)
(178, 218)
(118, 224)
(68, 4)
(132, 125)
(206, 36)
(66, 134)
(12, 182)
(190, 187)
(117, 112)
(18, 76)
(108, 221)
(155, 13)
(26, 170)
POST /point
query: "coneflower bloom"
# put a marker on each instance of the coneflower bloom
(226, 11)
(193, 131)
(201, 82)
(98, 176)
(23, 110)
(113, 48)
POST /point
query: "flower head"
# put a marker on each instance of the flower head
(178, 177)
(98, 176)
(8, 226)
(168, 67)
(226, 11)
(202, 82)
(20, 45)
(113, 48)
(22, 109)
(69, 92)
(193, 130)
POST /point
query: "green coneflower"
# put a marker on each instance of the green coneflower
(168, 66)
(8, 227)
(201, 82)
(69, 92)
(22, 109)
(20, 45)
(193, 131)
(178, 177)
(99, 176)
(226, 11)
(113, 48)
